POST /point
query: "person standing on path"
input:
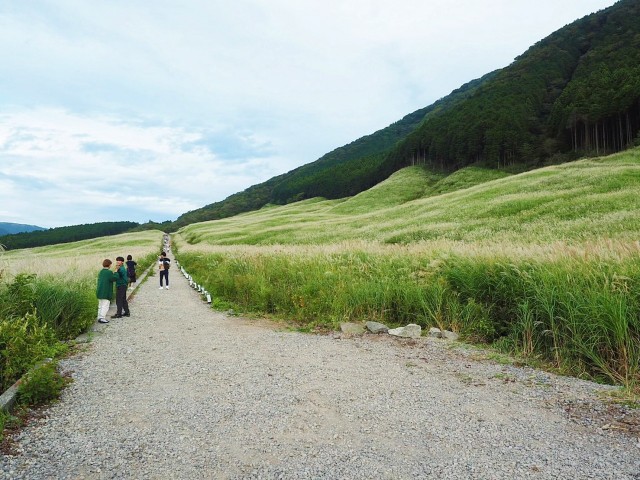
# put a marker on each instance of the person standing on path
(122, 280)
(131, 271)
(104, 290)
(163, 265)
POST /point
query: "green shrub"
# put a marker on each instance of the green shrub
(68, 307)
(8, 421)
(23, 342)
(19, 296)
(41, 385)
(36, 315)
(145, 262)
(4, 419)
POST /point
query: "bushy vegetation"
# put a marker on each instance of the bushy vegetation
(7, 421)
(41, 385)
(36, 316)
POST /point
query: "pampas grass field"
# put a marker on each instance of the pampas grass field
(81, 259)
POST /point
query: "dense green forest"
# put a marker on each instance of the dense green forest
(574, 93)
(65, 234)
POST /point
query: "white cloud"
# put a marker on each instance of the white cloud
(81, 165)
(184, 103)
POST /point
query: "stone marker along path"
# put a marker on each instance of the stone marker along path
(180, 391)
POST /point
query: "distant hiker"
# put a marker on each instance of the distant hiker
(131, 271)
(163, 265)
(104, 290)
(122, 280)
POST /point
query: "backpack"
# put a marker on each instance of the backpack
(167, 264)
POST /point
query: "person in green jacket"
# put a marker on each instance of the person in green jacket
(104, 290)
(122, 280)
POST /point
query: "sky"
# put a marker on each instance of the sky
(138, 110)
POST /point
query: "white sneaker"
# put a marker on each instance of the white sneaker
(160, 288)
(167, 287)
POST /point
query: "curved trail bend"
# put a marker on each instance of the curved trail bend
(180, 391)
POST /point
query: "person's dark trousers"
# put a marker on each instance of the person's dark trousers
(164, 274)
(122, 306)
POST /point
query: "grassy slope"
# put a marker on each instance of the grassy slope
(403, 186)
(80, 258)
(585, 200)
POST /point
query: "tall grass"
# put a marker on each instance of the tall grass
(583, 315)
(79, 259)
(36, 316)
(580, 314)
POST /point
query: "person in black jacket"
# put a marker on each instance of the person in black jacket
(163, 265)
(131, 271)
(122, 280)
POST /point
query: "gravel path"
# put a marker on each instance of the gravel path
(180, 391)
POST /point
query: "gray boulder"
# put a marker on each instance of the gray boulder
(375, 327)
(410, 331)
(435, 332)
(452, 336)
(445, 334)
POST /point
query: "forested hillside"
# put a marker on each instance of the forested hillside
(574, 93)
(65, 234)
(577, 92)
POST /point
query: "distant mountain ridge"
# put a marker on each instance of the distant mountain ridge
(7, 228)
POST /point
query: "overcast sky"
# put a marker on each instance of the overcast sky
(143, 110)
